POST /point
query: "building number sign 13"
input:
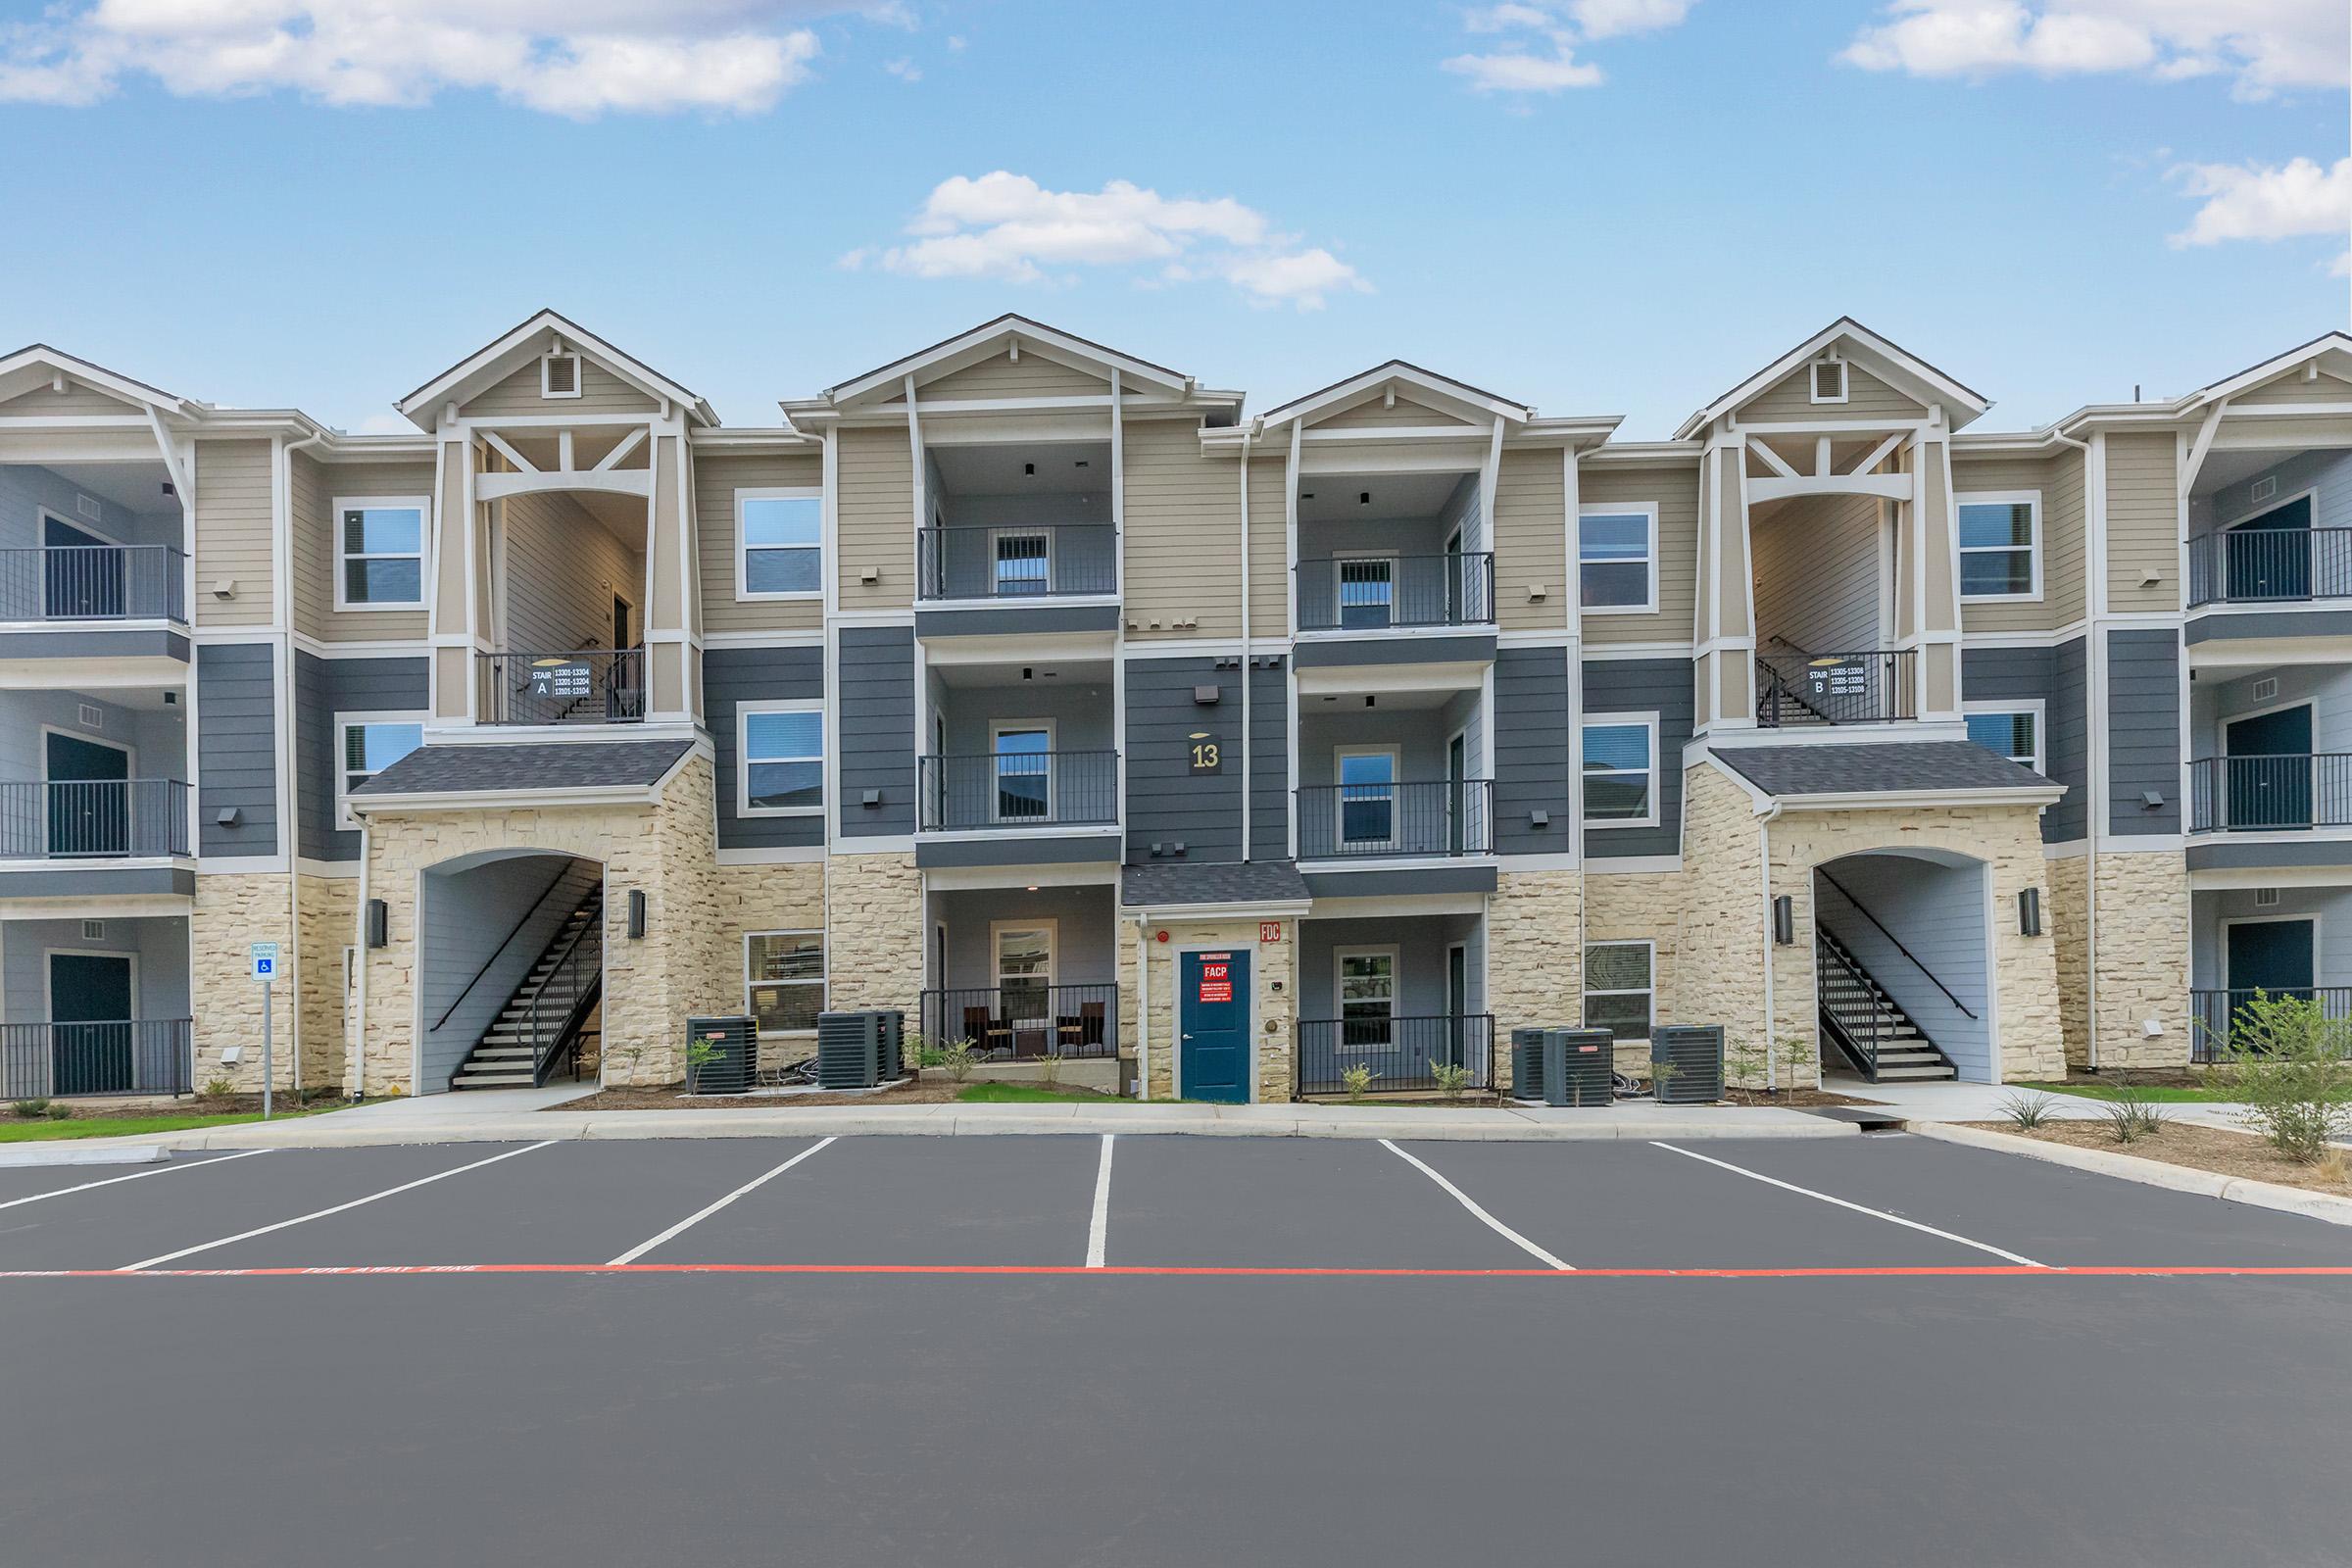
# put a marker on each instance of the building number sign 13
(1207, 756)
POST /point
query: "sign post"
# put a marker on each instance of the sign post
(265, 971)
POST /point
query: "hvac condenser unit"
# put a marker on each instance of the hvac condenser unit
(1527, 1065)
(1587, 1059)
(1695, 1052)
(849, 1049)
(890, 1055)
(737, 1064)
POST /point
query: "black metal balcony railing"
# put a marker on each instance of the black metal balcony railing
(1372, 593)
(2214, 1014)
(104, 818)
(1016, 790)
(2251, 794)
(1373, 821)
(2259, 566)
(593, 686)
(1399, 1053)
(1041, 560)
(93, 582)
(1871, 687)
(1022, 1022)
(133, 1057)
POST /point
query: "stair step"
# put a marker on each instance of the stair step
(1907, 1075)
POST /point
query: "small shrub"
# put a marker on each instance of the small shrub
(2132, 1115)
(30, 1109)
(218, 1086)
(631, 1058)
(2333, 1167)
(1357, 1081)
(1452, 1078)
(1799, 1063)
(929, 1052)
(958, 1058)
(1745, 1062)
(1048, 1067)
(2291, 1066)
(2026, 1112)
(701, 1051)
(60, 1112)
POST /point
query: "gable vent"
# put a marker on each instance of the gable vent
(89, 507)
(2266, 688)
(92, 718)
(93, 930)
(2265, 898)
(559, 375)
(2266, 488)
(1829, 380)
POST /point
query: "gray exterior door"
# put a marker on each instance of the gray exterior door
(88, 799)
(2269, 770)
(89, 1007)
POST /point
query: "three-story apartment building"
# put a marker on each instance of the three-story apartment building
(1058, 699)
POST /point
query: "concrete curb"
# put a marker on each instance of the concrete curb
(77, 1151)
(2151, 1172)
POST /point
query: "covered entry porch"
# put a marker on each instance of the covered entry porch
(95, 1005)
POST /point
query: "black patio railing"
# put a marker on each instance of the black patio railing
(591, 686)
(1401, 1053)
(93, 582)
(2213, 1014)
(1374, 821)
(1029, 561)
(2249, 794)
(131, 1056)
(1016, 789)
(1372, 593)
(1870, 687)
(103, 818)
(2270, 566)
(1022, 1022)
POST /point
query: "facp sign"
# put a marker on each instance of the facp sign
(1216, 978)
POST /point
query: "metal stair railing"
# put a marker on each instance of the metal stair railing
(581, 968)
(555, 890)
(1860, 1019)
(1849, 898)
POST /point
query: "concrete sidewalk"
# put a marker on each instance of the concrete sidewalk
(1947, 1101)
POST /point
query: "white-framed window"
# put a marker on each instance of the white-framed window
(1021, 762)
(365, 743)
(1621, 769)
(780, 543)
(1827, 380)
(1020, 562)
(2001, 544)
(559, 375)
(381, 549)
(780, 757)
(784, 980)
(1364, 982)
(2007, 730)
(1364, 591)
(1366, 813)
(1620, 988)
(1617, 557)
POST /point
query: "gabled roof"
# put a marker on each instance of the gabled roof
(2338, 344)
(499, 359)
(1339, 394)
(38, 362)
(1902, 368)
(984, 341)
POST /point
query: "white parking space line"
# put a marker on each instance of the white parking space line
(160, 1170)
(1489, 1221)
(702, 1214)
(1859, 1209)
(1098, 1228)
(304, 1219)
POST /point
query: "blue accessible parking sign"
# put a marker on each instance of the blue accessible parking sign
(264, 960)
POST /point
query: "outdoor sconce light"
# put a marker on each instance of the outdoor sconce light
(636, 914)
(379, 921)
(2029, 912)
(1783, 921)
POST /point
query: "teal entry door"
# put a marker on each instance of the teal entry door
(1213, 1016)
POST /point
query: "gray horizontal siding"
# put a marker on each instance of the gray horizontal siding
(1388, 649)
(1531, 751)
(2053, 677)
(323, 688)
(94, 644)
(1022, 849)
(96, 883)
(2144, 730)
(1269, 760)
(1660, 686)
(732, 675)
(877, 729)
(236, 749)
(1166, 801)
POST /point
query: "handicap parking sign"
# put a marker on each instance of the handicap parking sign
(264, 960)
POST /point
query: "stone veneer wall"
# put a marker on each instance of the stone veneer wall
(1274, 980)
(667, 850)
(230, 912)
(769, 898)
(2143, 937)
(873, 933)
(329, 906)
(2066, 912)
(1535, 969)
(1721, 975)
(1640, 906)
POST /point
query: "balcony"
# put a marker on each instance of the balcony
(1401, 1053)
(1387, 821)
(95, 820)
(1801, 689)
(2269, 794)
(80, 584)
(2270, 566)
(1013, 792)
(1023, 1022)
(1386, 592)
(594, 686)
(124, 1056)
(1028, 562)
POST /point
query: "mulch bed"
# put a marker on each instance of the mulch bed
(2210, 1148)
(183, 1106)
(1796, 1098)
(932, 1092)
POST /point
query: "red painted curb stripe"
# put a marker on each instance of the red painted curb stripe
(1182, 1271)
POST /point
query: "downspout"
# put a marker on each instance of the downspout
(290, 809)
(2094, 665)
(355, 1086)
(1142, 1010)
(1246, 775)
(1764, 821)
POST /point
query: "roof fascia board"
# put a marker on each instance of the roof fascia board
(1345, 394)
(490, 363)
(1905, 364)
(112, 382)
(980, 343)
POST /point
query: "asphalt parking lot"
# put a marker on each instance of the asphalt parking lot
(1164, 1350)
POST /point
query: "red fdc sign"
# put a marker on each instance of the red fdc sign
(1216, 979)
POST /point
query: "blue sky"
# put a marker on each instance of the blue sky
(1595, 206)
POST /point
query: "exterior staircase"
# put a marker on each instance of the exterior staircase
(545, 1013)
(1869, 1027)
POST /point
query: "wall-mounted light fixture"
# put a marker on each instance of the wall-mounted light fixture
(636, 914)
(1783, 921)
(379, 923)
(2029, 912)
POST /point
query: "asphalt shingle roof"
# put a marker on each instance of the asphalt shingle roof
(1872, 767)
(1230, 882)
(561, 765)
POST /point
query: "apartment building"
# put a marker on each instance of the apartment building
(1057, 697)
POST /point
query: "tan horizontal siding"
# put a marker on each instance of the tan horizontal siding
(1270, 548)
(1530, 541)
(1032, 377)
(2292, 388)
(75, 399)
(1370, 416)
(1183, 526)
(875, 501)
(1675, 490)
(2143, 522)
(2060, 563)
(314, 490)
(233, 527)
(601, 392)
(1866, 398)
(715, 481)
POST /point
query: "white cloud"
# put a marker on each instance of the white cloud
(1546, 61)
(2264, 46)
(579, 58)
(1007, 226)
(2294, 200)
(904, 68)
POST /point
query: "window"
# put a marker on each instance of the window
(1621, 767)
(1618, 989)
(779, 544)
(1617, 559)
(1829, 380)
(1367, 798)
(782, 769)
(559, 375)
(2000, 537)
(784, 979)
(1365, 981)
(379, 553)
(1024, 561)
(2011, 732)
(1367, 591)
(369, 744)
(1023, 953)
(1023, 755)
